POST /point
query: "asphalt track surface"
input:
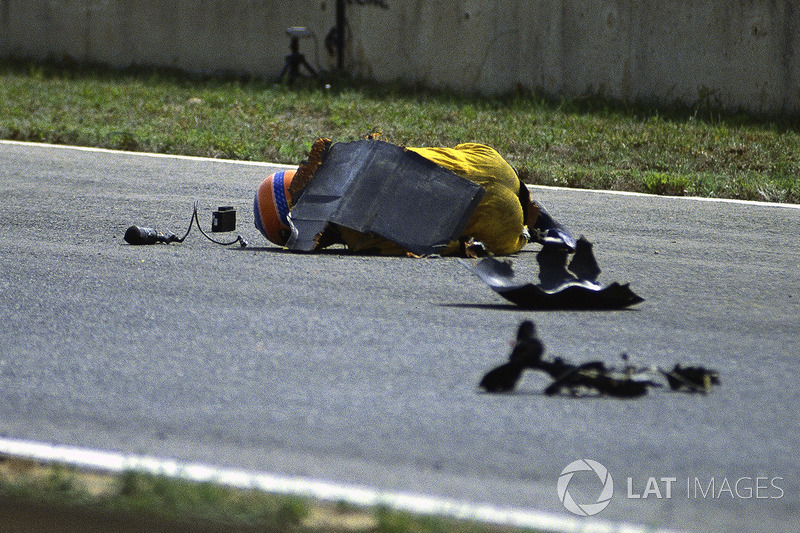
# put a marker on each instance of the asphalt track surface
(363, 370)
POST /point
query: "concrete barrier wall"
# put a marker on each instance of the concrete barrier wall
(734, 53)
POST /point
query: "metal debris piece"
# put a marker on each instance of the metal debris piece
(549, 232)
(593, 377)
(691, 378)
(527, 351)
(560, 287)
(375, 187)
(596, 377)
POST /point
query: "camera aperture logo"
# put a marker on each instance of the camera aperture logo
(585, 509)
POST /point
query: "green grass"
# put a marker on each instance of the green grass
(586, 142)
(151, 498)
(63, 498)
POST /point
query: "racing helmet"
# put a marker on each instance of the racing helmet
(271, 207)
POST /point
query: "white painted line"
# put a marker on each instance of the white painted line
(146, 154)
(298, 486)
(688, 198)
(280, 165)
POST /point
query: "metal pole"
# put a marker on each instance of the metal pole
(340, 29)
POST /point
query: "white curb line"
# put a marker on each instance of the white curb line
(298, 486)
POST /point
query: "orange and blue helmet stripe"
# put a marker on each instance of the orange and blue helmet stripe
(271, 206)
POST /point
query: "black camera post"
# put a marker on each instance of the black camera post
(295, 60)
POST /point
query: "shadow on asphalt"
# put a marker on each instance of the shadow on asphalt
(512, 307)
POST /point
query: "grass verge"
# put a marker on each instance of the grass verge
(37, 497)
(587, 142)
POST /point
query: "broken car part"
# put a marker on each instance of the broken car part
(527, 353)
(691, 378)
(594, 377)
(560, 287)
(377, 187)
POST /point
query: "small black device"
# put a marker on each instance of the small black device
(223, 219)
(138, 235)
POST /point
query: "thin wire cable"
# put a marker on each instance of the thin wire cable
(196, 219)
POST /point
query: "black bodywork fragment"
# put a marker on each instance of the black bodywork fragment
(376, 187)
(573, 294)
(592, 377)
(559, 287)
